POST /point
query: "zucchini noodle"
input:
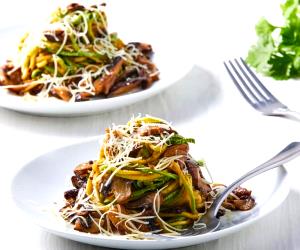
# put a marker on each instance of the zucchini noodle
(144, 182)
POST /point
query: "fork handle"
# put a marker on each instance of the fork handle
(288, 153)
(287, 113)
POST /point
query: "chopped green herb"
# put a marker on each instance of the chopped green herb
(201, 163)
(178, 139)
(277, 52)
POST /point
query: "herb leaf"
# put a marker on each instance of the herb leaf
(178, 139)
(277, 51)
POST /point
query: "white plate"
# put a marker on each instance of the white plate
(43, 181)
(170, 72)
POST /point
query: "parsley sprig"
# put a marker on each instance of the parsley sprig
(277, 52)
(178, 139)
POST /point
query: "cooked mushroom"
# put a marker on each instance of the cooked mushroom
(15, 75)
(82, 170)
(242, 202)
(197, 177)
(62, 93)
(127, 74)
(83, 96)
(87, 226)
(143, 47)
(18, 89)
(144, 60)
(244, 205)
(71, 195)
(75, 6)
(104, 84)
(54, 35)
(150, 78)
(242, 193)
(10, 75)
(115, 220)
(180, 149)
(125, 87)
(36, 89)
(144, 202)
(26, 87)
(153, 130)
(77, 182)
(121, 189)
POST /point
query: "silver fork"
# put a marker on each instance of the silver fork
(255, 93)
(210, 218)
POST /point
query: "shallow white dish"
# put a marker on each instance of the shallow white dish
(170, 72)
(41, 183)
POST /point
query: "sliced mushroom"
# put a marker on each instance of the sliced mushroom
(125, 87)
(135, 151)
(18, 89)
(15, 75)
(127, 74)
(143, 47)
(121, 189)
(144, 60)
(23, 88)
(147, 83)
(77, 182)
(83, 96)
(244, 205)
(71, 195)
(87, 226)
(197, 177)
(9, 75)
(103, 85)
(150, 77)
(242, 193)
(115, 220)
(36, 89)
(144, 202)
(180, 149)
(62, 93)
(75, 6)
(153, 130)
(82, 170)
(54, 35)
(8, 66)
(228, 205)
(79, 225)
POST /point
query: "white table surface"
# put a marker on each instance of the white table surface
(204, 105)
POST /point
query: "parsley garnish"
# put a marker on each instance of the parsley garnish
(178, 139)
(277, 52)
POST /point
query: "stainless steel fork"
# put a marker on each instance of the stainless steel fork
(255, 93)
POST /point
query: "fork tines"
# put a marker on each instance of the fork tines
(248, 84)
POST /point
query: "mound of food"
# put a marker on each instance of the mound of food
(75, 59)
(145, 181)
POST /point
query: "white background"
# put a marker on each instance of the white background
(232, 137)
